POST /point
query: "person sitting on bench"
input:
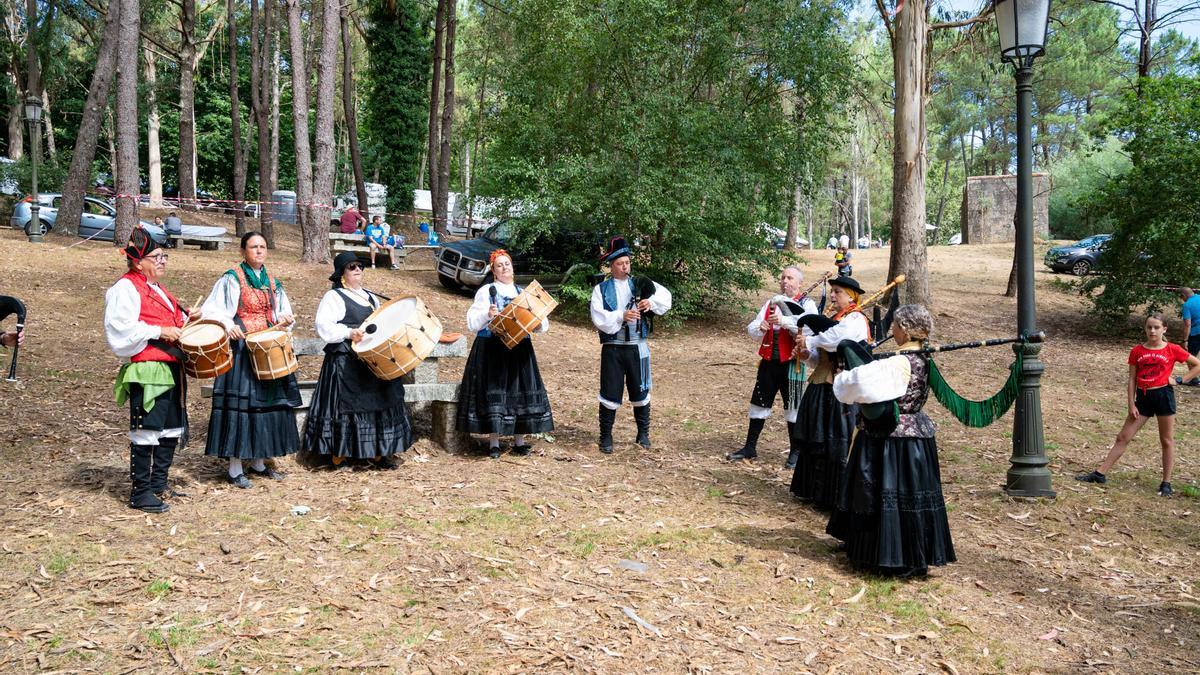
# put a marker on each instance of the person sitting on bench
(378, 238)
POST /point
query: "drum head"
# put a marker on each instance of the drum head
(202, 333)
(266, 337)
(387, 321)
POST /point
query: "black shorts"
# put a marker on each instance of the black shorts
(1155, 402)
(1194, 345)
(771, 381)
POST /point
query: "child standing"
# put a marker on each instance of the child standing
(1149, 395)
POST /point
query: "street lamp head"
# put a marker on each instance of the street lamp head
(33, 108)
(1022, 25)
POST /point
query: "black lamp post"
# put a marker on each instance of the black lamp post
(33, 117)
(1023, 25)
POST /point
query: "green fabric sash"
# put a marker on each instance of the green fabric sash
(976, 413)
(154, 376)
(259, 281)
(797, 379)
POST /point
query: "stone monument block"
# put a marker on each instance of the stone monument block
(989, 203)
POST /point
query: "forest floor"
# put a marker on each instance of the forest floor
(666, 560)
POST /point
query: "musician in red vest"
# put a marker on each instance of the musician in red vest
(142, 323)
(775, 330)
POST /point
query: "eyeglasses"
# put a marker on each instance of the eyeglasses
(354, 267)
(160, 258)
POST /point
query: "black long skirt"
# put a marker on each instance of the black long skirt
(252, 418)
(891, 512)
(341, 420)
(823, 431)
(502, 391)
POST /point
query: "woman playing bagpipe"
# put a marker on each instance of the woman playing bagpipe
(142, 323)
(890, 511)
(502, 393)
(353, 414)
(825, 425)
(252, 419)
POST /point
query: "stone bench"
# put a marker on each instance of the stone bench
(216, 243)
(422, 390)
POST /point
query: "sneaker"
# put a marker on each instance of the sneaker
(267, 472)
(1093, 477)
(241, 481)
(522, 450)
(1164, 489)
(494, 453)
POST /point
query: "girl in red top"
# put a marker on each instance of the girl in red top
(1150, 395)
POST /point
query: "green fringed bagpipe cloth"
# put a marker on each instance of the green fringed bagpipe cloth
(976, 413)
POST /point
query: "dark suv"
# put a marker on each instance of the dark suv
(1078, 258)
(547, 257)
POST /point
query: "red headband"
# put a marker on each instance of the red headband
(496, 254)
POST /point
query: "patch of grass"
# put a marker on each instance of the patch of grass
(495, 519)
(667, 539)
(178, 635)
(374, 522)
(714, 492)
(55, 642)
(697, 427)
(158, 588)
(1190, 491)
(60, 562)
(208, 663)
(583, 542)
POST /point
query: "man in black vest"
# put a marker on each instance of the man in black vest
(621, 307)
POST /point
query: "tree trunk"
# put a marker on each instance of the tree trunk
(153, 126)
(187, 104)
(937, 219)
(16, 135)
(276, 93)
(33, 71)
(79, 175)
(127, 122)
(348, 104)
(908, 254)
(261, 54)
(235, 124)
(51, 149)
(793, 221)
(867, 207)
(435, 90)
(443, 181)
(110, 133)
(313, 230)
(326, 153)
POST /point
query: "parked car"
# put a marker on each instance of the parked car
(548, 258)
(1079, 258)
(97, 219)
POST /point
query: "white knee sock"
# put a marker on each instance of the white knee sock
(519, 440)
(235, 468)
(258, 465)
(494, 441)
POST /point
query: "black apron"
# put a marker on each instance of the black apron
(360, 390)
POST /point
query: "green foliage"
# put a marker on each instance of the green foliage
(1077, 176)
(397, 107)
(682, 125)
(1152, 208)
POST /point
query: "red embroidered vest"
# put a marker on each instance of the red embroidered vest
(256, 308)
(787, 341)
(156, 313)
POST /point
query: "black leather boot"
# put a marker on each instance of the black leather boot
(750, 449)
(140, 496)
(607, 417)
(164, 456)
(794, 445)
(641, 415)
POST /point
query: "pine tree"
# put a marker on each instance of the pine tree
(396, 109)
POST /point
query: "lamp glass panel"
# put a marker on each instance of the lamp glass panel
(1031, 23)
(1006, 24)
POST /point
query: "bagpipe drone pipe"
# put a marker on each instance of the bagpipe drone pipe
(11, 305)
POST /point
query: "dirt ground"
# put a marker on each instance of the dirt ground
(461, 564)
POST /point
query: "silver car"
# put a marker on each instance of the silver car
(97, 219)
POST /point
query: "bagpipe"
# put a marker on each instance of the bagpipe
(11, 305)
(819, 323)
(643, 289)
(881, 418)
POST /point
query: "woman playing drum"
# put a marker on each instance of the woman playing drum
(252, 419)
(502, 393)
(353, 414)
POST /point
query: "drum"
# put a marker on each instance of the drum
(207, 349)
(523, 315)
(399, 335)
(271, 353)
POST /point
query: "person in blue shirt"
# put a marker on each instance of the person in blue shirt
(1190, 313)
(379, 239)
